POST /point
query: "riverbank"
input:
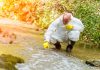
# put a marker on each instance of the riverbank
(86, 53)
(79, 52)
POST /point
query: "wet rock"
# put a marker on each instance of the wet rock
(8, 62)
(95, 63)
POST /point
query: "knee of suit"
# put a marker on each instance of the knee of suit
(73, 35)
(53, 41)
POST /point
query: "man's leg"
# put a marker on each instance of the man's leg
(70, 46)
(57, 45)
(73, 36)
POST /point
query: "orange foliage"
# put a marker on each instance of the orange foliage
(23, 10)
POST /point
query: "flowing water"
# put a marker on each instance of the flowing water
(52, 60)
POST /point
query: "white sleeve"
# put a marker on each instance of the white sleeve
(78, 26)
(52, 28)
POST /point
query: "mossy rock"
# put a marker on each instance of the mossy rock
(8, 62)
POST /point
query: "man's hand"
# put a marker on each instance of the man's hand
(69, 27)
(46, 45)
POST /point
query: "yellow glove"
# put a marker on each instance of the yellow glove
(69, 27)
(46, 45)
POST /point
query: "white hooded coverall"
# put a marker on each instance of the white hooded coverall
(58, 32)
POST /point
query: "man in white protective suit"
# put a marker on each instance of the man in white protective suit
(66, 28)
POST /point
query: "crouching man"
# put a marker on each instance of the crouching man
(66, 28)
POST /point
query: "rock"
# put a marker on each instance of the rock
(8, 62)
(95, 63)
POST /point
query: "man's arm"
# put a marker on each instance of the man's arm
(50, 31)
(52, 28)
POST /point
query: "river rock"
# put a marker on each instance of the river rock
(95, 63)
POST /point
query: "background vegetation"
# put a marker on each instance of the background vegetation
(43, 12)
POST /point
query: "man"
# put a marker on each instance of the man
(63, 29)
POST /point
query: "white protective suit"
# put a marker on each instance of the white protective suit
(58, 32)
